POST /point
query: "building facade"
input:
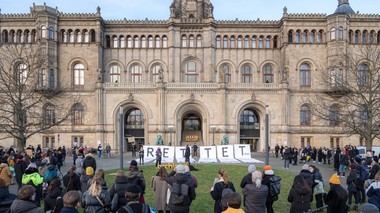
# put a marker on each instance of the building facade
(192, 79)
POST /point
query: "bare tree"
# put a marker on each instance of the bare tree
(351, 98)
(30, 100)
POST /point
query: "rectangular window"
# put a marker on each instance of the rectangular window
(77, 141)
(305, 141)
(335, 142)
(48, 141)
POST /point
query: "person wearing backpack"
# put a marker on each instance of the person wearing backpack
(363, 173)
(136, 177)
(53, 201)
(182, 190)
(270, 180)
(222, 187)
(318, 189)
(255, 194)
(118, 189)
(133, 205)
(352, 187)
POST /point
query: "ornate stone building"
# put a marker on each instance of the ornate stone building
(191, 78)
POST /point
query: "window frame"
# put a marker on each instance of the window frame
(247, 73)
(305, 75)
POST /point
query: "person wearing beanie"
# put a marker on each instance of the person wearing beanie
(132, 195)
(84, 178)
(336, 198)
(343, 162)
(308, 176)
(267, 167)
(373, 191)
(177, 177)
(33, 178)
(318, 186)
(193, 178)
(247, 179)
(369, 208)
(268, 178)
(352, 187)
(136, 177)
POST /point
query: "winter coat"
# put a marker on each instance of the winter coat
(373, 193)
(69, 210)
(266, 182)
(352, 180)
(246, 180)
(33, 178)
(119, 187)
(6, 200)
(51, 200)
(74, 181)
(160, 188)
(335, 203)
(79, 166)
(137, 177)
(309, 178)
(343, 159)
(24, 206)
(373, 171)
(89, 161)
(20, 167)
(232, 210)
(216, 194)
(91, 204)
(300, 200)
(181, 179)
(6, 174)
(255, 197)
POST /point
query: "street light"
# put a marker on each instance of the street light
(170, 131)
(121, 147)
(213, 134)
(266, 135)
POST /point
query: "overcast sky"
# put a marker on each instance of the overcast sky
(223, 9)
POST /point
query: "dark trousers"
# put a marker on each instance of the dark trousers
(269, 205)
(356, 197)
(319, 200)
(141, 160)
(361, 192)
(158, 161)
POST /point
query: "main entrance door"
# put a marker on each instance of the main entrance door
(250, 129)
(133, 128)
(191, 129)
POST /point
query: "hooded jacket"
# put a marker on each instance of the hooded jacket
(20, 167)
(137, 177)
(300, 200)
(6, 200)
(34, 177)
(120, 187)
(5, 174)
(89, 161)
(181, 179)
(51, 200)
(24, 206)
(91, 204)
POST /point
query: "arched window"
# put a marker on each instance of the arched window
(275, 42)
(49, 118)
(86, 36)
(334, 115)
(93, 35)
(184, 41)
(363, 115)
(22, 70)
(356, 37)
(290, 36)
(304, 37)
(135, 119)
(164, 42)
(372, 34)
(191, 74)
(199, 41)
(150, 42)
(78, 114)
(143, 42)
(115, 74)
(305, 75)
(156, 72)
(114, 41)
(332, 33)
(363, 74)
(268, 74)
(71, 36)
(254, 42)
(43, 31)
(43, 78)
(227, 73)
(218, 42)
(191, 41)
(365, 37)
(64, 36)
(51, 32)
(312, 37)
(337, 78)
(21, 36)
(136, 73)
(298, 36)
(136, 42)
(305, 115)
(122, 42)
(240, 42)
(246, 42)
(108, 41)
(79, 36)
(5, 36)
(320, 37)
(232, 44)
(129, 42)
(249, 119)
(225, 42)
(192, 122)
(51, 78)
(340, 32)
(78, 75)
(246, 73)
(12, 35)
(158, 42)
(261, 42)
(267, 42)
(378, 37)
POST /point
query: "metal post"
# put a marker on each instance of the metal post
(121, 144)
(266, 135)
(213, 134)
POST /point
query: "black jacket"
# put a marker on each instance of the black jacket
(6, 200)
(119, 187)
(181, 179)
(300, 200)
(51, 200)
(20, 167)
(216, 194)
(89, 161)
(335, 203)
(246, 180)
(74, 181)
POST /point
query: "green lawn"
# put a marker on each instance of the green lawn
(205, 176)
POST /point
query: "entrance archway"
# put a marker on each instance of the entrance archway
(191, 128)
(134, 128)
(250, 128)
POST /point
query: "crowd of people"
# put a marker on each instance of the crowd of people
(40, 181)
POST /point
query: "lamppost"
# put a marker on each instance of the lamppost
(170, 131)
(213, 134)
(121, 144)
(266, 135)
